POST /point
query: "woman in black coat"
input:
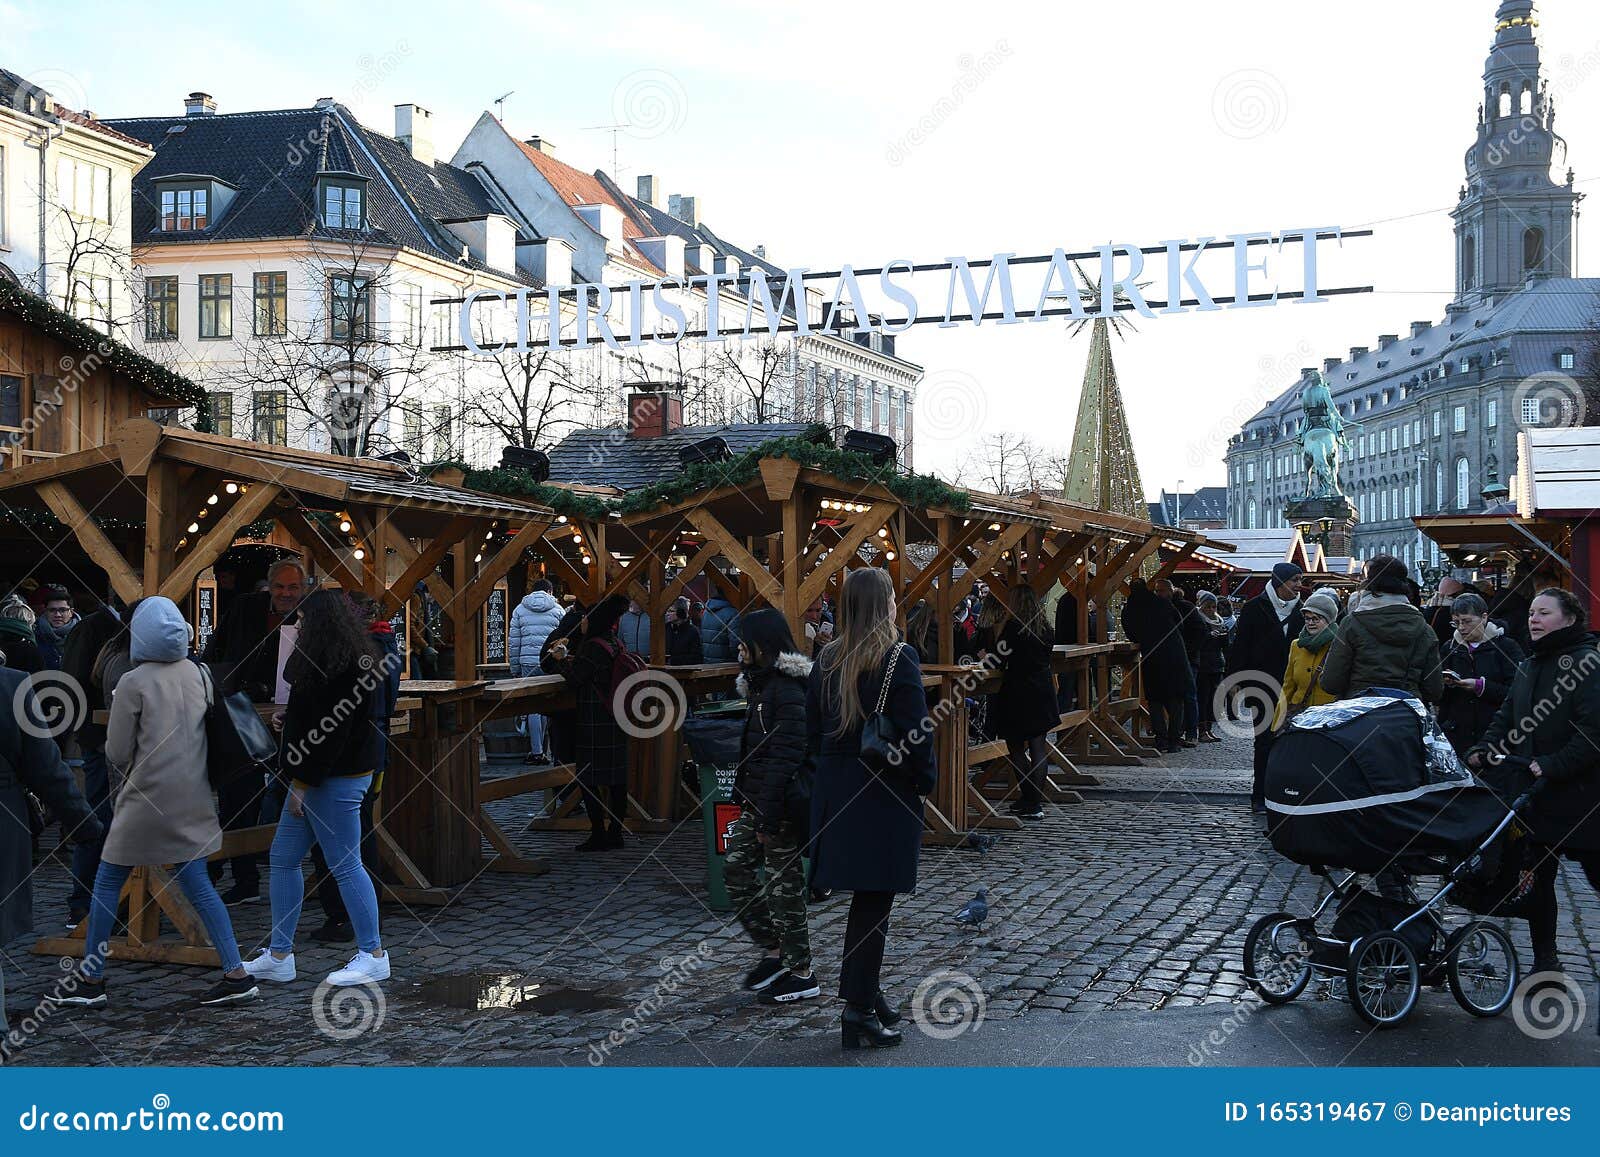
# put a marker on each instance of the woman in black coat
(1153, 623)
(1024, 712)
(1552, 715)
(866, 827)
(1210, 661)
(771, 788)
(1479, 661)
(600, 744)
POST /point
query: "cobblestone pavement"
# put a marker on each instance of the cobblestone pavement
(1137, 898)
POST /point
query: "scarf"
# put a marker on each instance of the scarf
(1559, 640)
(1372, 601)
(1491, 630)
(1285, 608)
(1321, 639)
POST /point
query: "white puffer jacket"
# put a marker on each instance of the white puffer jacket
(531, 623)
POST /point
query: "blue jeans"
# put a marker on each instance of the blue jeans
(333, 820)
(86, 857)
(196, 884)
(536, 734)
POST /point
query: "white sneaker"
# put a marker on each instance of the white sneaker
(269, 967)
(364, 968)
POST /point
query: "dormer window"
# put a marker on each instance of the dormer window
(185, 209)
(344, 204)
(1565, 360)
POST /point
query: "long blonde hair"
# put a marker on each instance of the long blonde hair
(866, 632)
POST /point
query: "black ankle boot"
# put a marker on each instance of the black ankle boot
(888, 1014)
(861, 1025)
(596, 842)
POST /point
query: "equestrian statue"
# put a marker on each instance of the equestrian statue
(1322, 440)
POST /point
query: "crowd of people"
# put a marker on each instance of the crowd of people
(836, 747)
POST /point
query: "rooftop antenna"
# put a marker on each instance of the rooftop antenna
(500, 105)
(613, 130)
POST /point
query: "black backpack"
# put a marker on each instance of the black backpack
(237, 741)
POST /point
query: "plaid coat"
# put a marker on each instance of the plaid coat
(602, 745)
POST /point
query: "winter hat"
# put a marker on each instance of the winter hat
(1205, 597)
(1323, 602)
(1285, 572)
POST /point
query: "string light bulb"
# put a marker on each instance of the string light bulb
(212, 501)
(232, 488)
(344, 526)
(359, 554)
(194, 528)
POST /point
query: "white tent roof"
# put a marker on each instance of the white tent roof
(1258, 551)
(1560, 470)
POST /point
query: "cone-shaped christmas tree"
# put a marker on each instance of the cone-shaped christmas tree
(1102, 470)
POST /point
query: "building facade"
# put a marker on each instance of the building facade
(1436, 410)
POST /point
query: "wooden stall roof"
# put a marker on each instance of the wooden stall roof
(318, 481)
(1469, 539)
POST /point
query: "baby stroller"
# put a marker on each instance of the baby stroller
(1370, 786)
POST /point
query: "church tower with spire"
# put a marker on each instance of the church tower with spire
(1513, 221)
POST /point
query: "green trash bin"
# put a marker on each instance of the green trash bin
(714, 745)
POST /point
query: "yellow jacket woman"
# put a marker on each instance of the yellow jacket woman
(1302, 686)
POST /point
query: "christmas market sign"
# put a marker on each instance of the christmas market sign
(1239, 271)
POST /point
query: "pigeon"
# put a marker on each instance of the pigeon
(981, 842)
(976, 910)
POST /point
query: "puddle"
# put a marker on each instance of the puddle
(476, 991)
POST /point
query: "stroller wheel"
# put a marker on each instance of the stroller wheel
(1383, 980)
(1483, 969)
(1277, 958)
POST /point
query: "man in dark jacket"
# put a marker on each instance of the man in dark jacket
(78, 663)
(248, 652)
(683, 636)
(29, 760)
(1438, 614)
(56, 622)
(1259, 659)
(1192, 632)
(1152, 622)
(1066, 635)
(719, 638)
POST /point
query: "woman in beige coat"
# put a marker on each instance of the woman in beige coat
(163, 812)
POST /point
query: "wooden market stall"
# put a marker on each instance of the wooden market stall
(180, 499)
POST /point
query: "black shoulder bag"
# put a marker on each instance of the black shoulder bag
(237, 741)
(881, 742)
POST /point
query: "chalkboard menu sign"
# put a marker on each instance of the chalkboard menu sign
(496, 625)
(205, 610)
(402, 637)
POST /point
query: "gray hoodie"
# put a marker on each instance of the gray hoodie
(159, 632)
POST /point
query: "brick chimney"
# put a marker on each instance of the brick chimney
(654, 409)
(544, 144)
(199, 104)
(649, 189)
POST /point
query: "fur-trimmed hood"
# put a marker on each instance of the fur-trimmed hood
(790, 663)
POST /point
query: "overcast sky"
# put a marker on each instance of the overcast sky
(924, 130)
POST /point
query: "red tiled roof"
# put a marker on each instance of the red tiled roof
(576, 187)
(93, 125)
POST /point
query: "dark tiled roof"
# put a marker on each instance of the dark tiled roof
(1207, 504)
(609, 457)
(14, 90)
(273, 159)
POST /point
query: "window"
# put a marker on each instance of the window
(342, 206)
(411, 434)
(84, 189)
(1532, 248)
(216, 305)
(1530, 411)
(1405, 432)
(1266, 470)
(1383, 441)
(10, 403)
(161, 308)
(1491, 412)
(411, 313)
(350, 307)
(91, 301)
(1249, 471)
(271, 413)
(883, 408)
(1438, 423)
(271, 304)
(1458, 420)
(1438, 485)
(1384, 497)
(1461, 483)
(1250, 515)
(185, 210)
(442, 448)
(221, 413)
(1469, 262)
(1565, 360)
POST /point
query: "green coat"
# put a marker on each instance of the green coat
(1389, 646)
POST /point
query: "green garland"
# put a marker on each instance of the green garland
(513, 483)
(121, 359)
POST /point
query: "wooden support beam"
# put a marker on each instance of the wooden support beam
(866, 525)
(1065, 552)
(66, 507)
(1131, 564)
(421, 564)
(696, 565)
(300, 528)
(793, 546)
(736, 552)
(462, 617)
(1008, 538)
(1166, 569)
(246, 508)
(161, 506)
(495, 569)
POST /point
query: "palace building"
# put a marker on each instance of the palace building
(1440, 403)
